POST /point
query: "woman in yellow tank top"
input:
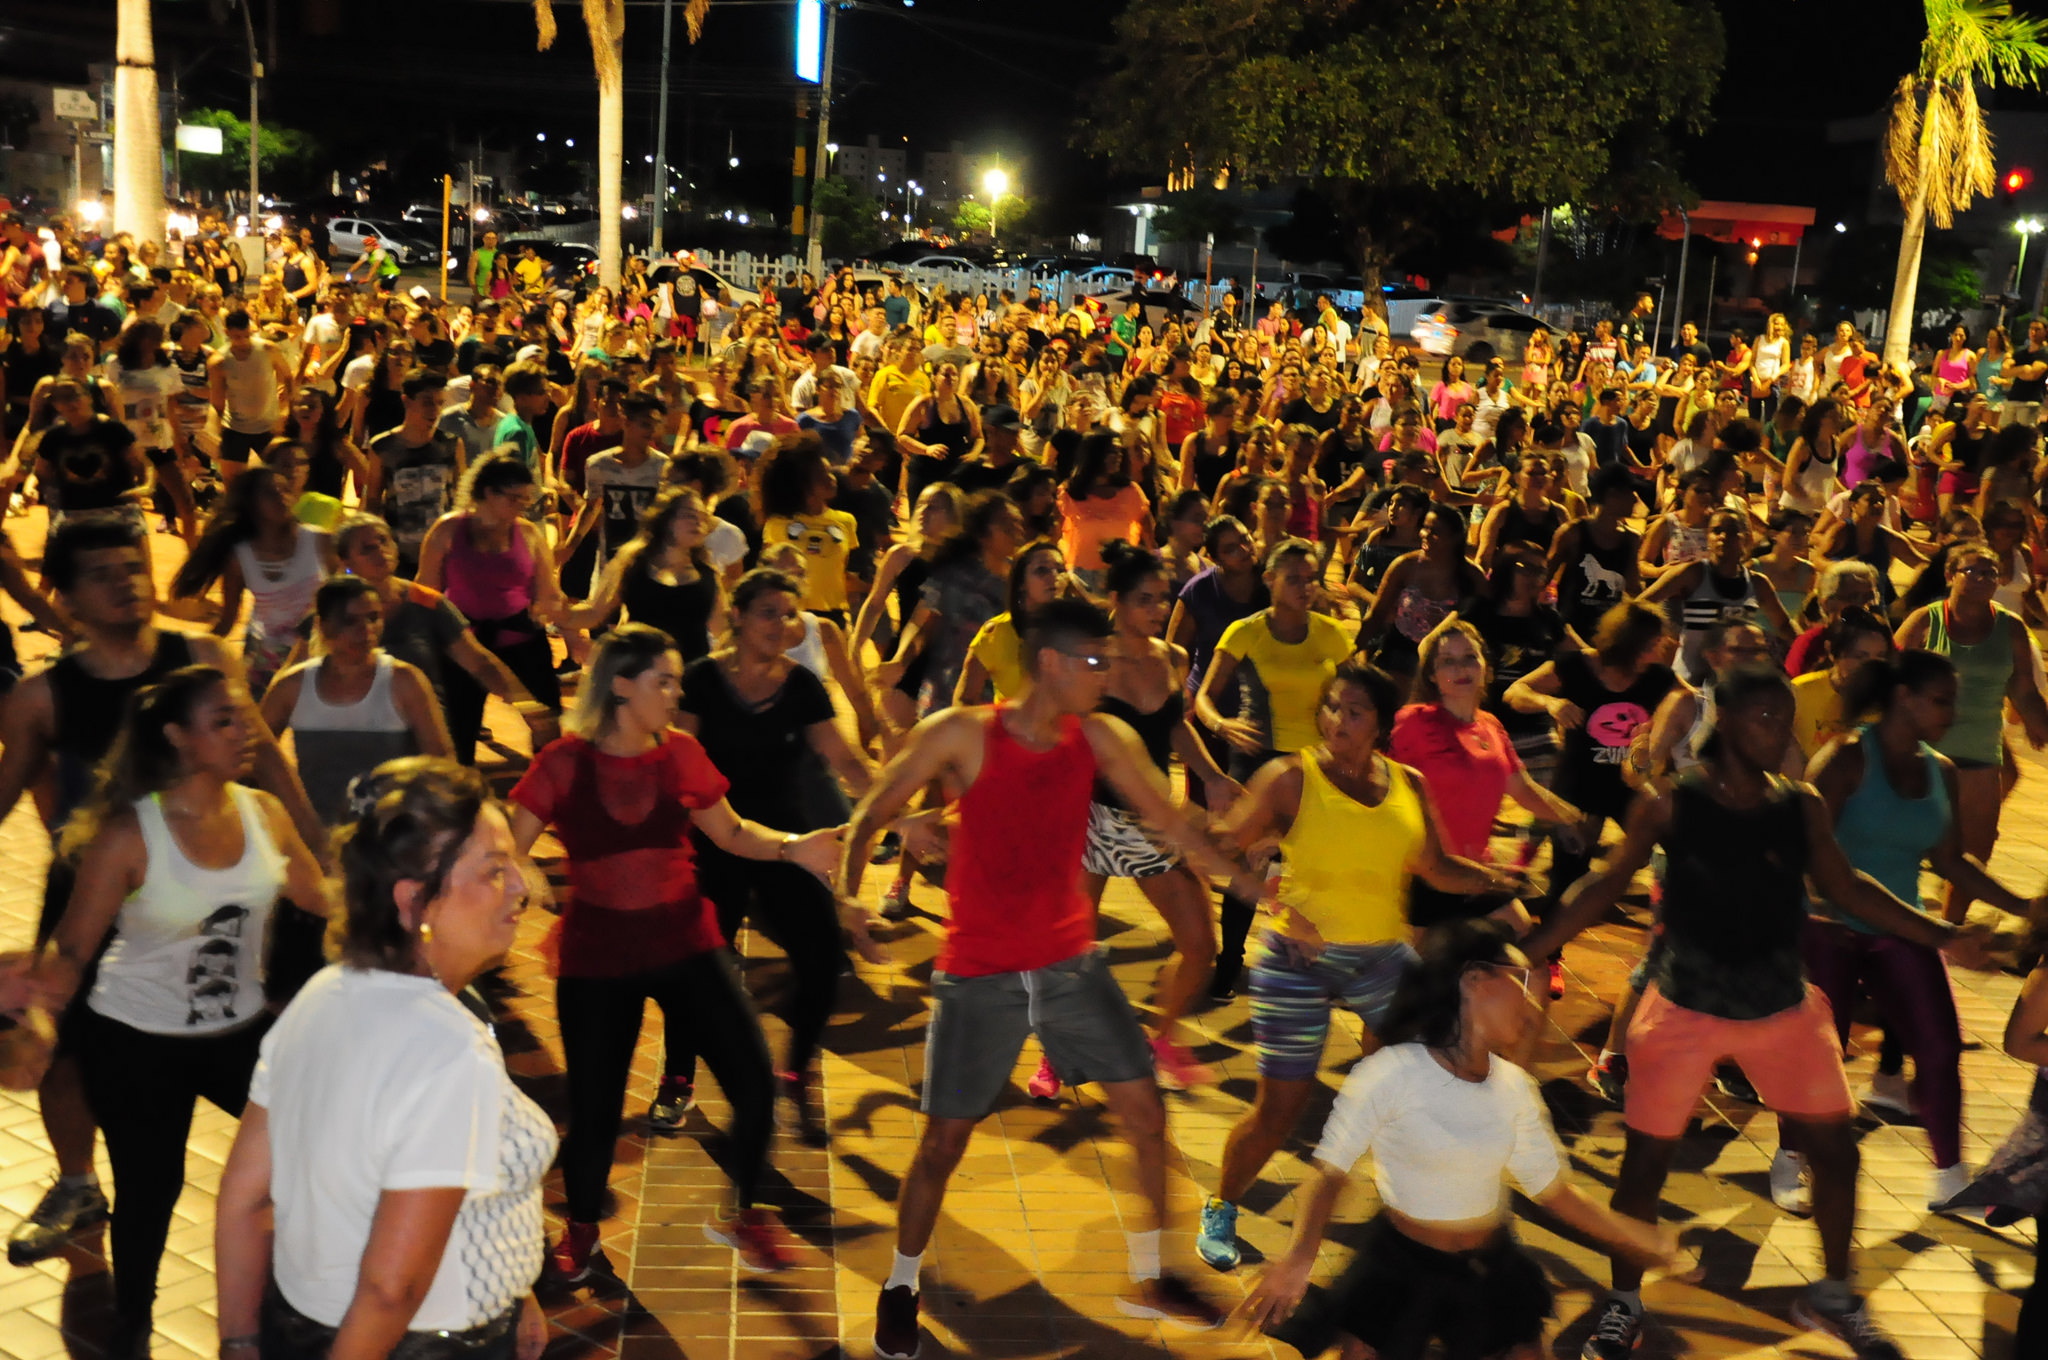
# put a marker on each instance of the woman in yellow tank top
(1354, 827)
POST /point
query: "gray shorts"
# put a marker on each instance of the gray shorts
(2018, 413)
(979, 1023)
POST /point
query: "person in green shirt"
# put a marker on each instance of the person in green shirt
(481, 264)
(376, 264)
(1123, 332)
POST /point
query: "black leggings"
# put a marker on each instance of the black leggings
(797, 912)
(600, 1019)
(529, 658)
(1237, 913)
(143, 1089)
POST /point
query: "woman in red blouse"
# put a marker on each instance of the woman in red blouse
(622, 793)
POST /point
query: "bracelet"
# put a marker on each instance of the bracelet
(238, 1343)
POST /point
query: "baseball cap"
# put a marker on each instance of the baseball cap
(530, 352)
(1003, 418)
(756, 444)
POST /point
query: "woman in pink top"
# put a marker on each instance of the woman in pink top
(1451, 393)
(1098, 503)
(1470, 764)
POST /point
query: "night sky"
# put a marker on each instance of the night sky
(1001, 76)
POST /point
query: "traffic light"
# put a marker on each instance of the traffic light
(2016, 179)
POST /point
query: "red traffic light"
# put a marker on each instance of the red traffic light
(2018, 178)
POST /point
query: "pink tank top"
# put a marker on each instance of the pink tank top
(488, 586)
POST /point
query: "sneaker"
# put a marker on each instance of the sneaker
(569, 1258)
(1730, 1082)
(675, 1099)
(896, 901)
(1556, 980)
(1177, 1067)
(886, 849)
(1169, 1298)
(897, 1335)
(1044, 1083)
(1890, 1092)
(1947, 1183)
(802, 1090)
(1789, 1188)
(758, 1236)
(1615, 1333)
(61, 1214)
(1609, 1076)
(1216, 1243)
(1852, 1325)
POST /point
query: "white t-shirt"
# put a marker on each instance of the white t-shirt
(146, 396)
(1441, 1144)
(355, 377)
(725, 544)
(380, 1081)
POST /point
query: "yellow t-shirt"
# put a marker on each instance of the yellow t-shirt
(892, 392)
(1001, 653)
(1281, 681)
(825, 539)
(1817, 716)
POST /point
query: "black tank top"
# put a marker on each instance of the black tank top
(956, 435)
(1155, 729)
(1595, 581)
(681, 611)
(1732, 921)
(1518, 526)
(1211, 467)
(89, 713)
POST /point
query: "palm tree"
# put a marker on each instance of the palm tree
(606, 21)
(138, 138)
(1938, 151)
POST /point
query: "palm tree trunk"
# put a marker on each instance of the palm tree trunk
(138, 137)
(611, 156)
(1898, 331)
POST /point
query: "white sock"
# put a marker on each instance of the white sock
(91, 1178)
(1144, 1251)
(1607, 1055)
(903, 1274)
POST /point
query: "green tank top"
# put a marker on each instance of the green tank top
(1983, 672)
(1886, 834)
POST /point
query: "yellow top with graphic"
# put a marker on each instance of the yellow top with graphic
(825, 538)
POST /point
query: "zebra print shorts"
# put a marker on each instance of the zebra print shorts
(1119, 848)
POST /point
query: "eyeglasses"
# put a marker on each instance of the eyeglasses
(1979, 572)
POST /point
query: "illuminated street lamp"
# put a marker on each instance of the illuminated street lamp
(995, 183)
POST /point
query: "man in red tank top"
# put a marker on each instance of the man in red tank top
(1020, 953)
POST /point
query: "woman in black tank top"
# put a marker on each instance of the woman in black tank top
(1530, 516)
(1147, 693)
(663, 577)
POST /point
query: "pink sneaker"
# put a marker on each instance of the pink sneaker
(1178, 1068)
(1044, 1083)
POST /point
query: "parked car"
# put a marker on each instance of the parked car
(1478, 331)
(1160, 305)
(574, 264)
(708, 280)
(957, 264)
(1405, 306)
(346, 235)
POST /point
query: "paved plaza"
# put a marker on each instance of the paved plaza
(1029, 1255)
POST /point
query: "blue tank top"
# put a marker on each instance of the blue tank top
(1886, 834)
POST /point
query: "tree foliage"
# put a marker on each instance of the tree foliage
(1381, 104)
(851, 220)
(289, 162)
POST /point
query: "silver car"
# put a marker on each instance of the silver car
(1478, 331)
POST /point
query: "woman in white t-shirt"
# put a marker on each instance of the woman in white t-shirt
(179, 869)
(383, 1134)
(1445, 1117)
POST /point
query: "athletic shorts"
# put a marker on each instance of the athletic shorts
(1291, 1002)
(1792, 1058)
(978, 1025)
(239, 447)
(1119, 848)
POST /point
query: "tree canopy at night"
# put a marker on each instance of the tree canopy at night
(1386, 105)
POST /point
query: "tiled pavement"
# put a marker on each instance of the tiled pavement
(1029, 1255)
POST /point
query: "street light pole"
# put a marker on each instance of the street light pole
(668, 16)
(816, 251)
(255, 131)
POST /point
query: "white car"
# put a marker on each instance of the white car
(708, 281)
(951, 263)
(1478, 331)
(346, 235)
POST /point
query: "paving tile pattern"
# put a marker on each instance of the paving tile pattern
(1029, 1255)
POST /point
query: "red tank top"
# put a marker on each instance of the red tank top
(1013, 874)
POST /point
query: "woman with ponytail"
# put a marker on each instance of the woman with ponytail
(179, 869)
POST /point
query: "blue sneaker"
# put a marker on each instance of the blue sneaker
(1217, 1242)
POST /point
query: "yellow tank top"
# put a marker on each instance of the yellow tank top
(1346, 865)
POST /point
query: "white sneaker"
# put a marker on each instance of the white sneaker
(1789, 1188)
(1890, 1091)
(1948, 1182)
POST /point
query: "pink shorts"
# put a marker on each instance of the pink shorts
(1793, 1059)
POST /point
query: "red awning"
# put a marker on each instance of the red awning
(1769, 224)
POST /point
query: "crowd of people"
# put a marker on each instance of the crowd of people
(1348, 669)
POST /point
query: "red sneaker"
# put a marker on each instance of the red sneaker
(758, 1236)
(1044, 1083)
(1556, 980)
(1178, 1069)
(569, 1258)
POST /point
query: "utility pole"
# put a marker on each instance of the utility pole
(818, 163)
(255, 77)
(668, 8)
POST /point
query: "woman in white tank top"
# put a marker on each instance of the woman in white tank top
(178, 871)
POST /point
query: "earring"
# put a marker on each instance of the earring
(426, 933)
